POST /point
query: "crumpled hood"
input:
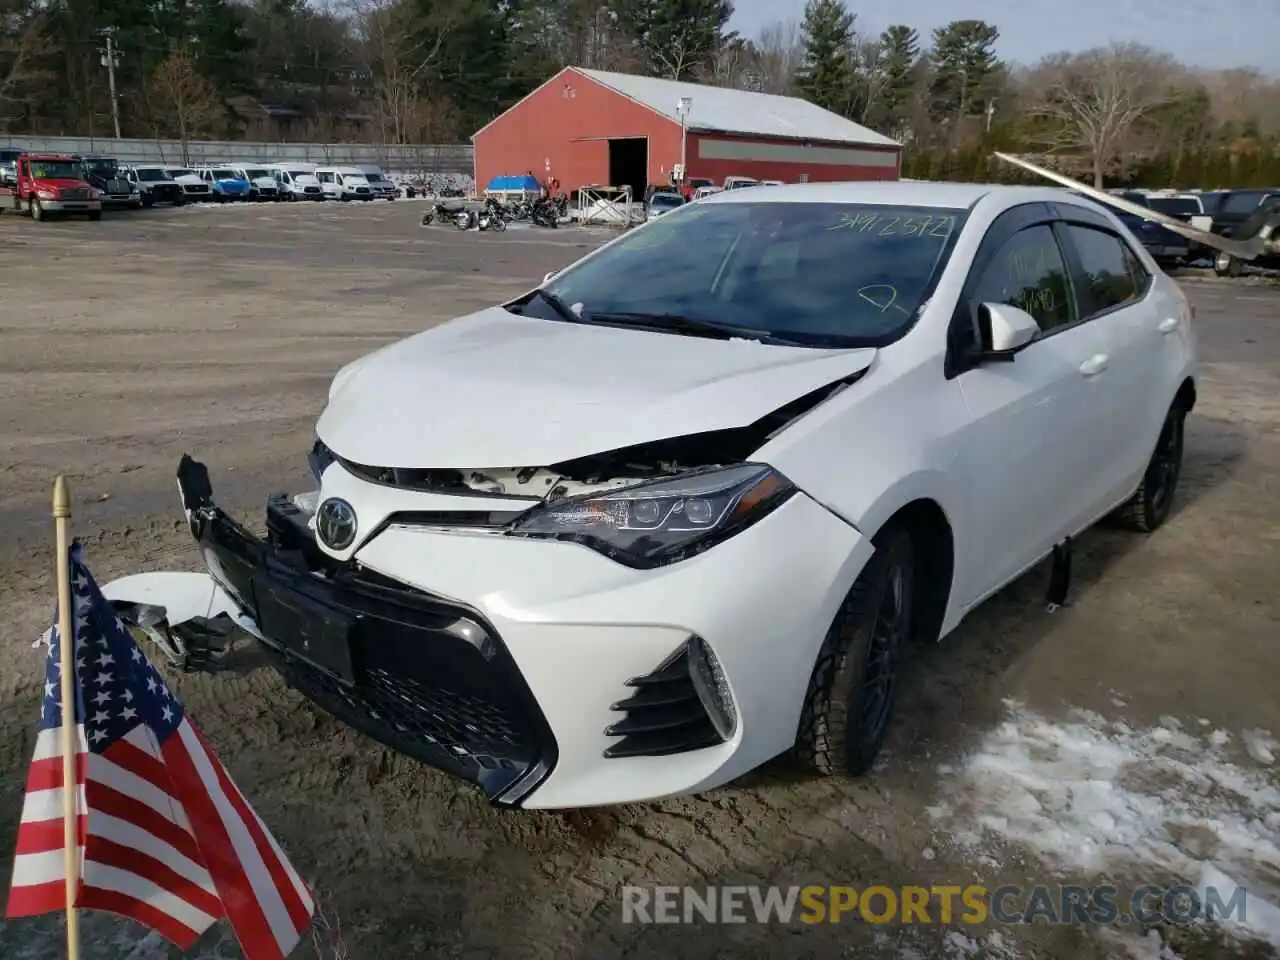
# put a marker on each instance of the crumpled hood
(498, 390)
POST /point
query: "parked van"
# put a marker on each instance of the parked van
(381, 183)
(262, 182)
(344, 183)
(297, 181)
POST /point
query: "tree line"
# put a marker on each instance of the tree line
(433, 71)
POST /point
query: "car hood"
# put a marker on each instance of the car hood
(60, 183)
(498, 390)
(190, 178)
(234, 182)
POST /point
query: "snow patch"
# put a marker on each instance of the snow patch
(1093, 796)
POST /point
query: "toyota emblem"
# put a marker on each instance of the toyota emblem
(336, 523)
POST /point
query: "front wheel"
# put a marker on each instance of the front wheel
(95, 214)
(854, 683)
(1225, 265)
(1151, 503)
(36, 209)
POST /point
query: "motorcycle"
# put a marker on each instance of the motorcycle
(454, 213)
(492, 216)
(544, 213)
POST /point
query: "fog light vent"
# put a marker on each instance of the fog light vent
(712, 687)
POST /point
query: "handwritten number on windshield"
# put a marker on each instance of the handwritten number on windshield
(885, 226)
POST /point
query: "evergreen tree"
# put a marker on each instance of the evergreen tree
(899, 56)
(826, 76)
(964, 67)
(675, 39)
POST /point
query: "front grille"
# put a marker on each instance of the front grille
(195, 188)
(75, 193)
(432, 682)
(311, 189)
(664, 715)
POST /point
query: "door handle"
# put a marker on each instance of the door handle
(1094, 365)
(1169, 325)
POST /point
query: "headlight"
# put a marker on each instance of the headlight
(47, 194)
(662, 521)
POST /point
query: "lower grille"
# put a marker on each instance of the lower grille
(664, 716)
(75, 193)
(193, 188)
(432, 680)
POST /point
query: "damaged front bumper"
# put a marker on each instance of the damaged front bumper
(425, 676)
(543, 671)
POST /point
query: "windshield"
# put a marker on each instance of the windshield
(666, 200)
(151, 175)
(180, 173)
(373, 177)
(813, 273)
(1174, 206)
(102, 168)
(257, 174)
(300, 173)
(225, 175)
(56, 169)
(1242, 201)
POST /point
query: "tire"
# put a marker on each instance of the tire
(1149, 507)
(36, 209)
(852, 690)
(95, 214)
(148, 202)
(1225, 265)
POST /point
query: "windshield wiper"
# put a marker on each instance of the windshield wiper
(558, 305)
(679, 323)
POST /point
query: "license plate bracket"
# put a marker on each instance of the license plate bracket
(307, 629)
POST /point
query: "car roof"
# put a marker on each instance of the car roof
(907, 193)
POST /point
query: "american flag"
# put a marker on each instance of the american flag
(165, 837)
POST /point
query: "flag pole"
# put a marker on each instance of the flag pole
(70, 745)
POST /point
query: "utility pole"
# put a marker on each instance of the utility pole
(111, 60)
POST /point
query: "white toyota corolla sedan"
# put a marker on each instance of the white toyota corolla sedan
(681, 508)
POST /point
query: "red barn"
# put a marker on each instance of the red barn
(589, 127)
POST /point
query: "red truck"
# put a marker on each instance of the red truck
(48, 184)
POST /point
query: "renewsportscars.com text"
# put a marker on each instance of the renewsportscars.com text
(972, 904)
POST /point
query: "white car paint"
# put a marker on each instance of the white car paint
(1017, 456)
(345, 183)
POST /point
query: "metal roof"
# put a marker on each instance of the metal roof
(725, 110)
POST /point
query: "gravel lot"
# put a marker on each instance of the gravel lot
(215, 331)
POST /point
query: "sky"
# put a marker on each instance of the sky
(1242, 33)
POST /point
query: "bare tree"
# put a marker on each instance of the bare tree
(186, 102)
(401, 49)
(1097, 101)
(781, 52)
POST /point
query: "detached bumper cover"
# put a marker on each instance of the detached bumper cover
(424, 676)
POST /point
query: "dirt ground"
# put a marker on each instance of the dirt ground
(215, 331)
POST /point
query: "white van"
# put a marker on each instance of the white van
(344, 183)
(383, 188)
(262, 181)
(297, 181)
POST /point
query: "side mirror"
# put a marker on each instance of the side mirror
(549, 276)
(1004, 330)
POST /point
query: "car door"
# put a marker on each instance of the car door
(1119, 298)
(1025, 453)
